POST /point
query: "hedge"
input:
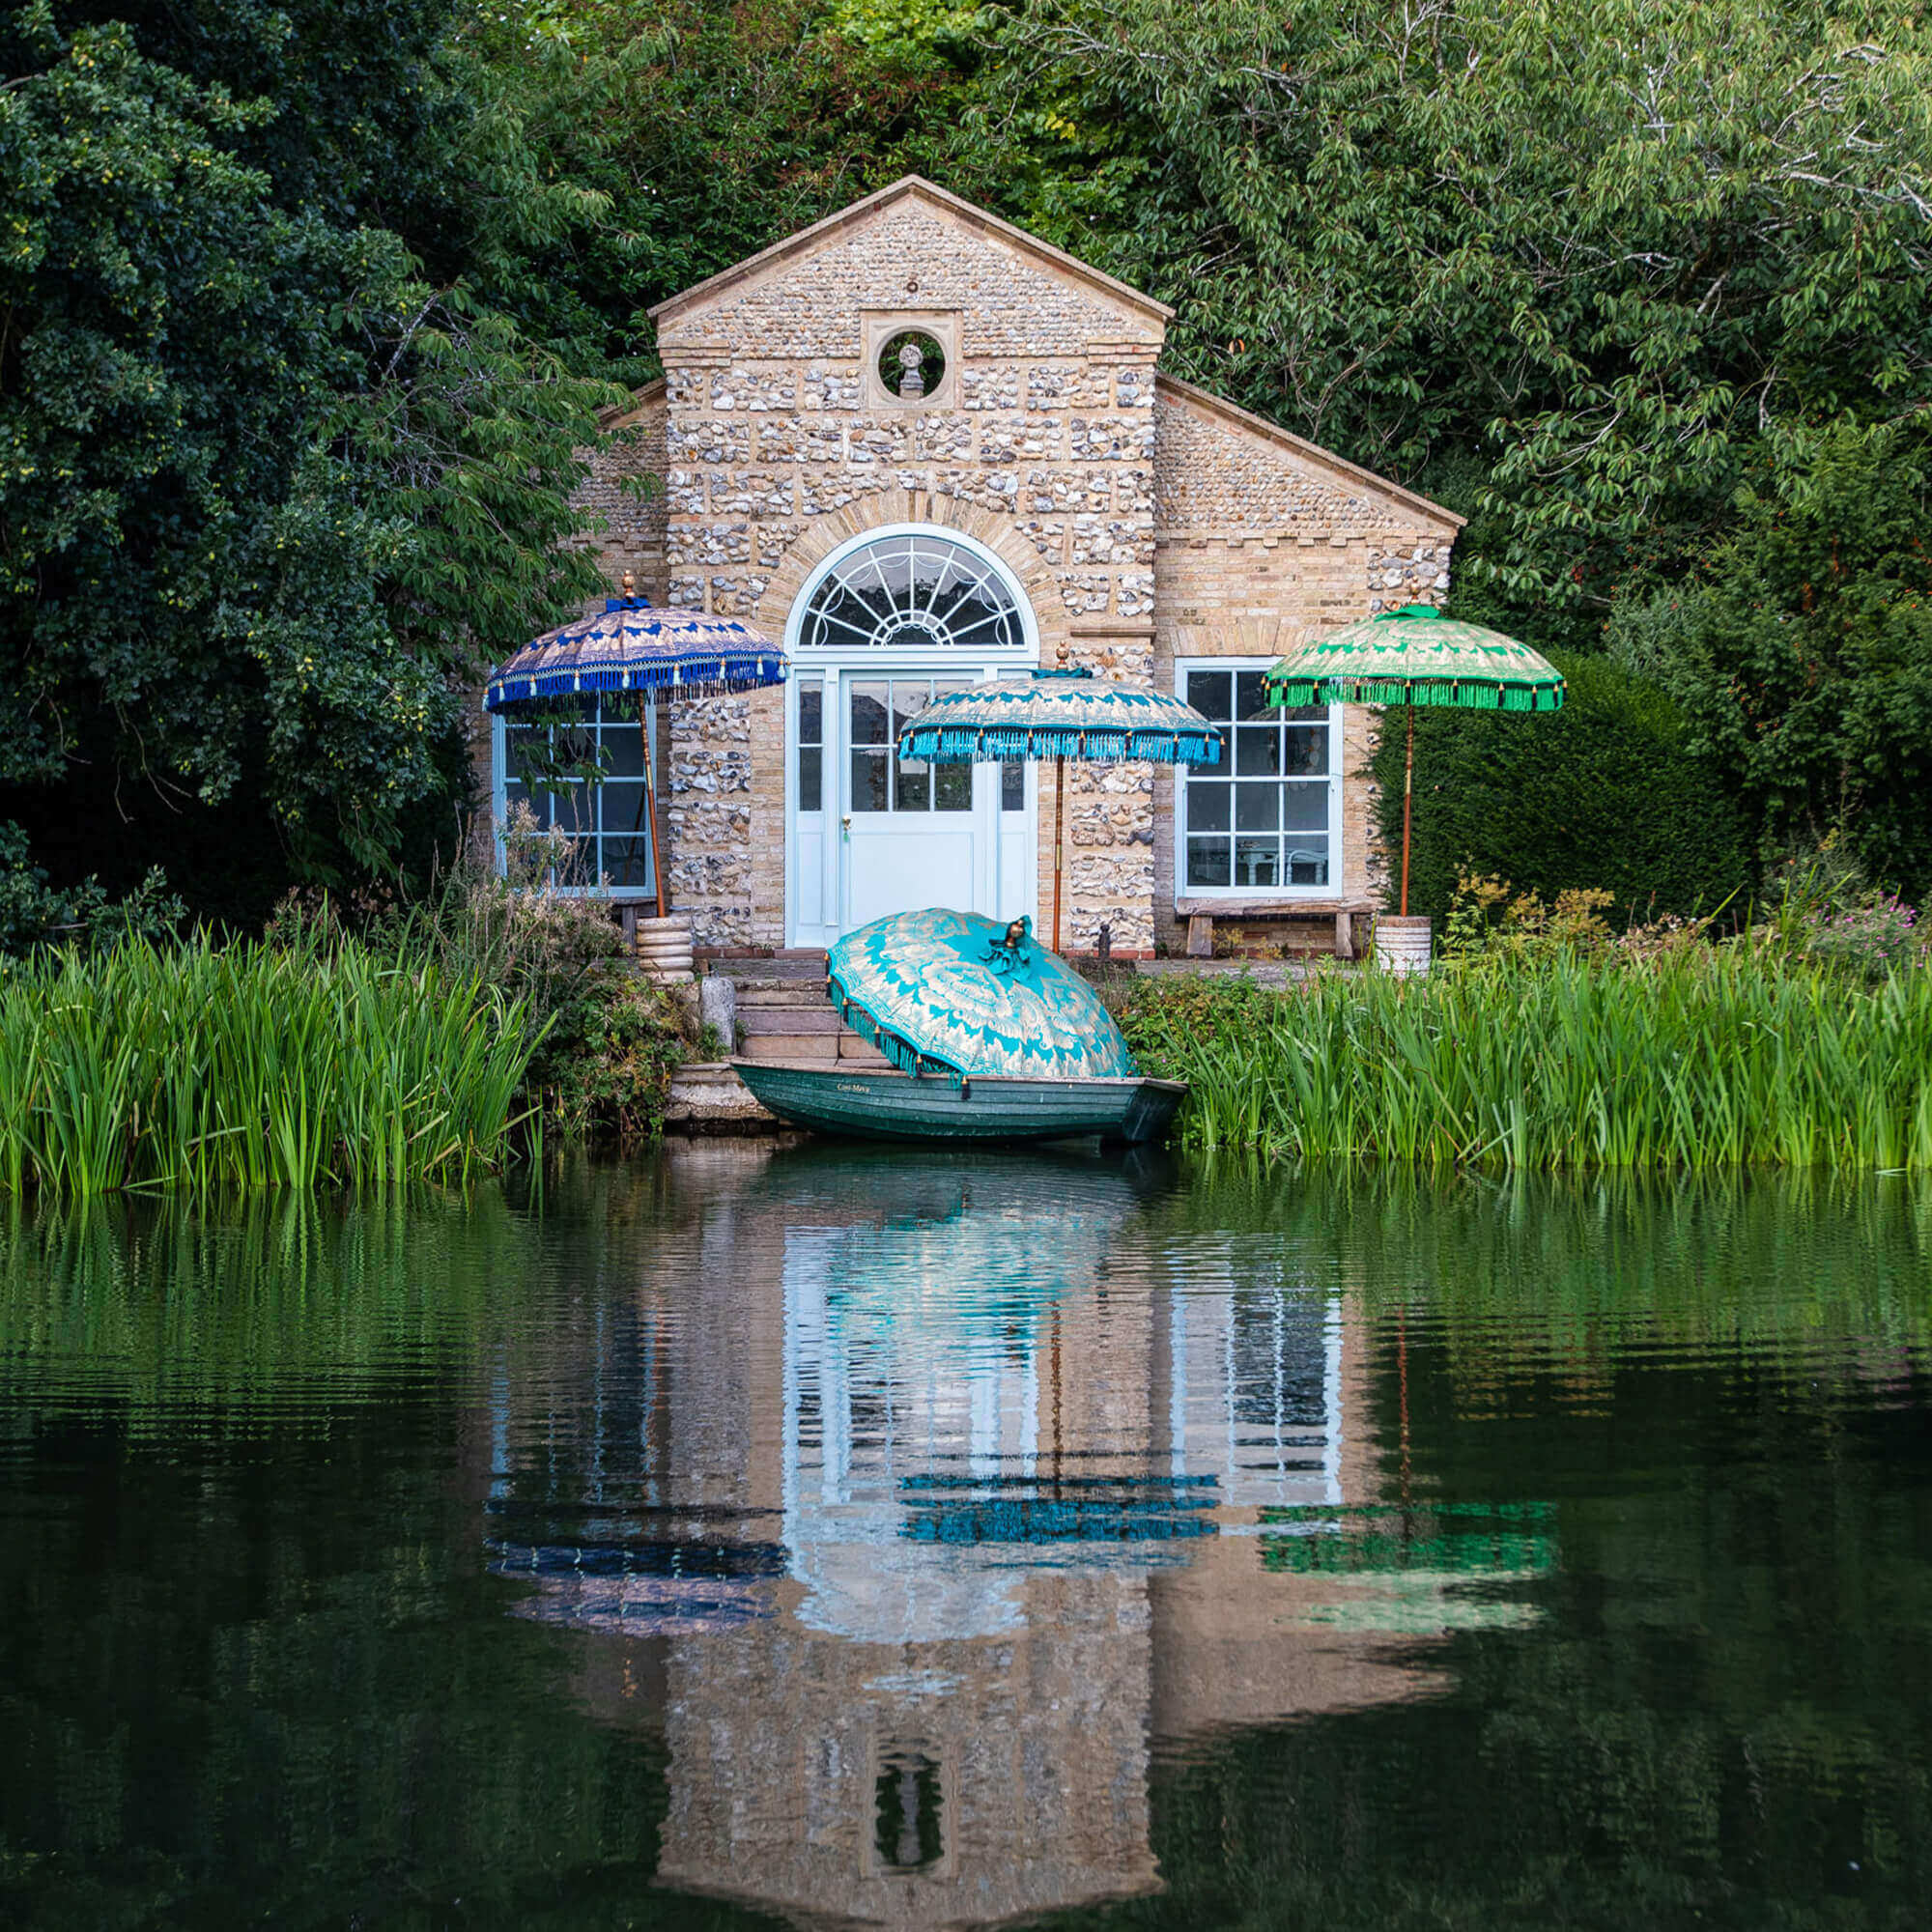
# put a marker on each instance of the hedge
(1602, 793)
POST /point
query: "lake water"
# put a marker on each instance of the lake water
(754, 1536)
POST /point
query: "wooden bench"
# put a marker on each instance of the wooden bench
(1200, 915)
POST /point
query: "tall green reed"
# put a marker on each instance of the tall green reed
(198, 1066)
(1717, 1058)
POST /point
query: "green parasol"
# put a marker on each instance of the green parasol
(960, 994)
(1410, 657)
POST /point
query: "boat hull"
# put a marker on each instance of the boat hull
(887, 1105)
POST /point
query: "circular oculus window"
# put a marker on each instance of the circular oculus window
(910, 365)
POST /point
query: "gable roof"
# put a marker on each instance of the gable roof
(1174, 389)
(914, 187)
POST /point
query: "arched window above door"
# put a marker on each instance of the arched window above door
(913, 590)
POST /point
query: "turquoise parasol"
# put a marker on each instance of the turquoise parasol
(1059, 715)
(959, 994)
(632, 645)
(1415, 656)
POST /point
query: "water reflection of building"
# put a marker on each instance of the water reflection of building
(912, 1524)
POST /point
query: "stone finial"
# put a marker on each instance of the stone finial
(912, 378)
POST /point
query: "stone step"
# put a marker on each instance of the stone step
(819, 1017)
(769, 966)
(846, 1048)
(708, 1097)
(784, 993)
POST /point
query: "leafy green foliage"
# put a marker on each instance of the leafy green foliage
(33, 913)
(1803, 662)
(1603, 793)
(267, 488)
(1613, 247)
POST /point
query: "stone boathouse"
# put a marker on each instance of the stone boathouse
(918, 447)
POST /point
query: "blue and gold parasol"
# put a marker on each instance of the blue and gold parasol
(1061, 714)
(960, 994)
(634, 645)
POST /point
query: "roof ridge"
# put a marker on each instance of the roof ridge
(932, 192)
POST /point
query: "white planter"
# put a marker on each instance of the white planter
(1402, 945)
(664, 948)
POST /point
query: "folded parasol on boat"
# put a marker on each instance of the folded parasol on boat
(961, 994)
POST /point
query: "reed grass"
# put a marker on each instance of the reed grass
(1716, 1057)
(198, 1066)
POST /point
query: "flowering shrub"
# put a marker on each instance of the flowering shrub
(1877, 936)
(1489, 915)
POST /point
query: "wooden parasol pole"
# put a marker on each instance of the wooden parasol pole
(1407, 796)
(1058, 817)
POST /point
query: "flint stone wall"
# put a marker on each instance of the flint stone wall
(1039, 441)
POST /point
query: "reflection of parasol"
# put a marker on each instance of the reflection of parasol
(1410, 657)
(1059, 715)
(961, 994)
(634, 646)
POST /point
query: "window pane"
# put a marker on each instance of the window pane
(574, 746)
(914, 786)
(869, 713)
(1307, 750)
(623, 749)
(627, 861)
(810, 711)
(1256, 751)
(1257, 862)
(952, 787)
(1304, 808)
(623, 805)
(1207, 861)
(910, 697)
(1256, 807)
(1012, 785)
(868, 779)
(518, 742)
(573, 807)
(810, 779)
(1308, 860)
(1251, 695)
(578, 866)
(1208, 805)
(1210, 692)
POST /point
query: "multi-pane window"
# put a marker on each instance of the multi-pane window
(548, 767)
(880, 708)
(1261, 820)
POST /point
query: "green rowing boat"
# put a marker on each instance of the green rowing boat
(886, 1104)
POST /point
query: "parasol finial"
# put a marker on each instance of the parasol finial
(630, 584)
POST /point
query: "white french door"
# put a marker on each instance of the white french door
(869, 833)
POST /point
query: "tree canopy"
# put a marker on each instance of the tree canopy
(306, 312)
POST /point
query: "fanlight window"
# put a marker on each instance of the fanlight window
(912, 592)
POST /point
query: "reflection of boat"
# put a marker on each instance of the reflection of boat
(891, 1105)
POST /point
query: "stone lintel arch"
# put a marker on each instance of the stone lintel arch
(890, 508)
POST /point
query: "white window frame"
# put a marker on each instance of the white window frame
(1237, 894)
(499, 783)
